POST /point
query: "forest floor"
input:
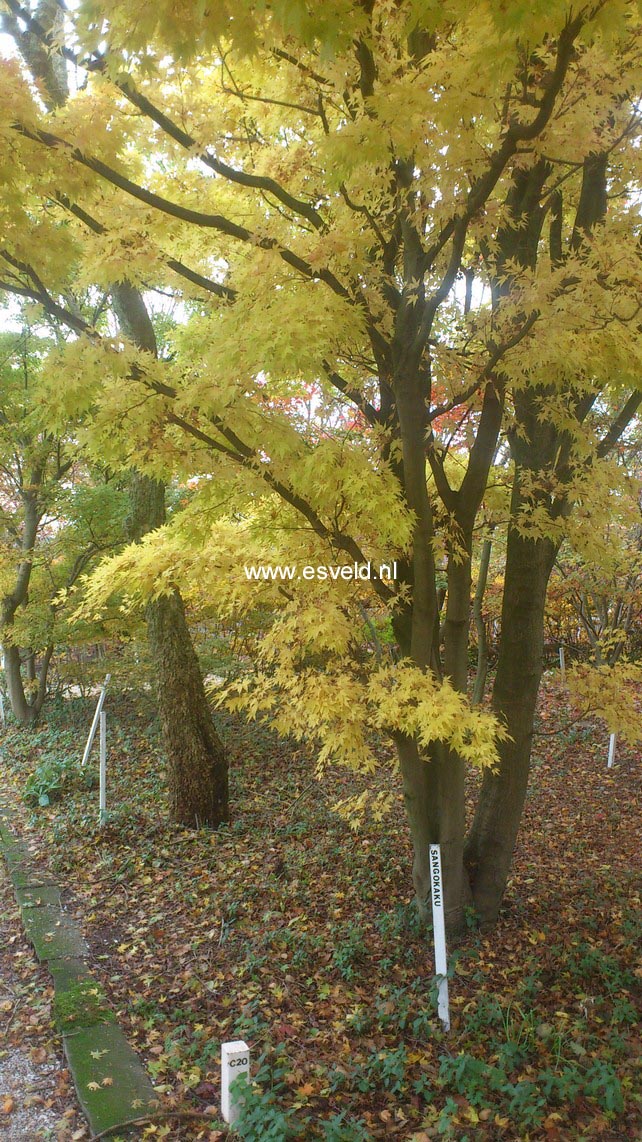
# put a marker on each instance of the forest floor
(297, 934)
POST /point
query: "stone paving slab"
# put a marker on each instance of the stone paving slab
(23, 876)
(112, 1085)
(37, 895)
(18, 858)
(67, 972)
(53, 934)
(107, 1076)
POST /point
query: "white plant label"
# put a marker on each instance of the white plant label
(235, 1061)
(612, 739)
(439, 933)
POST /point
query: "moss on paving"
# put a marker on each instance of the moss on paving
(82, 1004)
(107, 1075)
(53, 934)
(34, 897)
(111, 1082)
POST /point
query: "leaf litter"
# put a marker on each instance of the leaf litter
(291, 931)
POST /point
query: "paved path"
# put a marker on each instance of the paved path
(111, 1083)
(36, 1095)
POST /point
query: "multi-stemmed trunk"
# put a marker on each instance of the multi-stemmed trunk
(491, 843)
(26, 702)
(434, 782)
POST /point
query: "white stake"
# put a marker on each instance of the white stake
(439, 935)
(611, 751)
(94, 724)
(2, 717)
(562, 666)
(102, 793)
(235, 1061)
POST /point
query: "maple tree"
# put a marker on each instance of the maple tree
(57, 516)
(427, 214)
(196, 758)
(596, 590)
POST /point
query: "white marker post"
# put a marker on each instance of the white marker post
(94, 724)
(562, 666)
(102, 792)
(2, 717)
(235, 1061)
(612, 739)
(439, 934)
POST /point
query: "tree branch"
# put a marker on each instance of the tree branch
(235, 449)
(137, 99)
(369, 411)
(620, 424)
(216, 222)
(180, 268)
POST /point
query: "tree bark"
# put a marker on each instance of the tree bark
(197, 769)
(480, 626)
(196, 763)
(457, 624)
(491, 843)
(424, 775)
(25, 710)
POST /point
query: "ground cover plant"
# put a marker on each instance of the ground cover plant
(292, 931)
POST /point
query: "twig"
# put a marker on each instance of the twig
(306, 789)
(562, 729)
(163, 1114)
(16, 1007)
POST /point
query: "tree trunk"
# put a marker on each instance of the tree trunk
(457, 624)
(415, 626)
(450, 768)
(421, 807)
(433, 790)
(24, 711)
(196, 762)
(480, 626)
(491, 843)
(433, 781)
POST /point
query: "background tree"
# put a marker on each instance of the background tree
(56, 518)
(198, 782)
(597, 601)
